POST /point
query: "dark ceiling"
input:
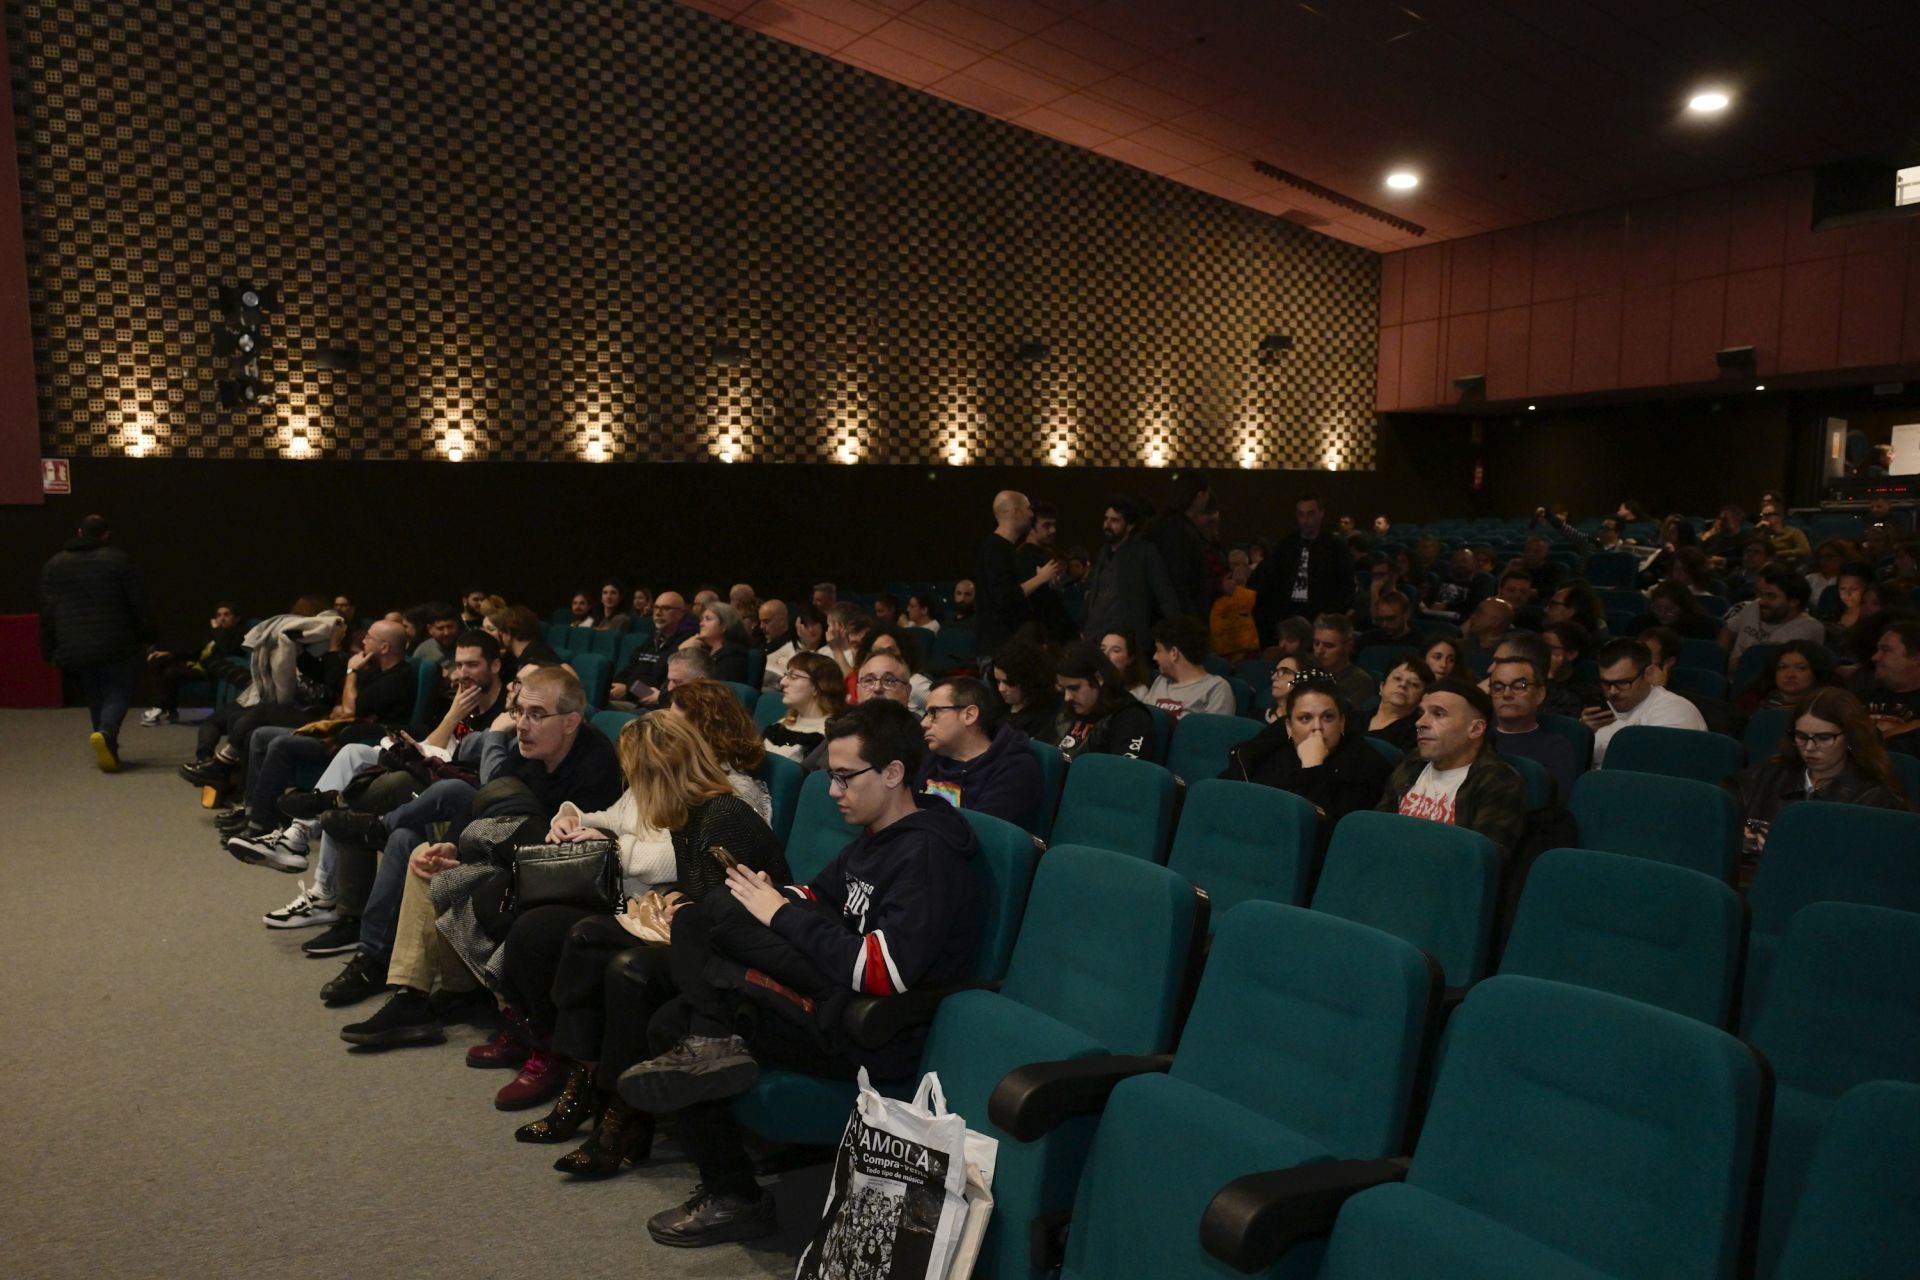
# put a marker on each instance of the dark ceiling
(1512, 111)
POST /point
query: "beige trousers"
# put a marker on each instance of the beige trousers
(422, 958)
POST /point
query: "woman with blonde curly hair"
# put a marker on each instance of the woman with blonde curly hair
(680, 804)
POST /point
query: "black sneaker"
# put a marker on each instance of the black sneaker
(342, 936)
(408, 1018)
(355, 827)
(303, 802)
(364, 976)
(713, 1219)
(698, 1069)
(206, 773)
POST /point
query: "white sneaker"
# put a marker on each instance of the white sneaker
(297, 836)
(270, 849)
(307, 910)
(155, 716)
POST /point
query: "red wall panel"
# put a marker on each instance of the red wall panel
(1423, 282)
(1507, 333)
(1420, 362)
(1872, 297)
(1512, 268)
(1471, 282)
(1753, 315)
(1466, 348)
(1596, 342)
(1810, 316)
(1644, 296)
(1550, 351)
(1699, 311)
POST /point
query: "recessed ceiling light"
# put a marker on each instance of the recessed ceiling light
(1708, 101)
(1761, 387)
(1532, 407)
(1403, 181)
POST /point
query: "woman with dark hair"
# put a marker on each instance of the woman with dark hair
(814, 692)
(1829, 558)
(1793, 671)
(613, 615)
(1294, 638)
(678, 805)
(1316, 753)
(1401, 689)
(1853, 580)
(1023, 677)
(1676, 534)
(1133, 671)
(1831, 752)
(1575, 600)
(1569, 690)
(1672, 604)
(1285, 672)
(1101, 717)
(1444, 658)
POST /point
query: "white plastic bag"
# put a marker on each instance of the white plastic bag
(911, 1193)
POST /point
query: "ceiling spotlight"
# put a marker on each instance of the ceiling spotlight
(1532, 407)
(1761, 387)
(1403, 181)
(1708, 102)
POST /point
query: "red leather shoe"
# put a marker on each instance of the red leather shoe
(501, 1051)
(540, 1079)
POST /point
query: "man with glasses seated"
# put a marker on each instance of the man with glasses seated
(1629, 697)
(638, 683)
(974, 759)
(765, 972)
(884, 676)
(1519, 689)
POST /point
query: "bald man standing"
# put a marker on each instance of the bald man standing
(1000, 593)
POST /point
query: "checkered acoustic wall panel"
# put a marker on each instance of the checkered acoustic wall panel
(536, 221)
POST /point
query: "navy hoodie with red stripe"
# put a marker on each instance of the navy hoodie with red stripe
(907, 905)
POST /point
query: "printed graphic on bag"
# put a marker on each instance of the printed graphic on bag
(883, 1211)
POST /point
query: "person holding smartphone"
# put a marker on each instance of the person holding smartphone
(1627, 697)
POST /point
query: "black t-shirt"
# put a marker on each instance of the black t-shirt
(385, 697)
(1128, 730)
(479, 722)
(999, 603)
(1904, 708)
(589, 775)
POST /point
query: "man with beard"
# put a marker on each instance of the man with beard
(1308, 574)
(1128, 590)
(1001, 590)
(1776, 614)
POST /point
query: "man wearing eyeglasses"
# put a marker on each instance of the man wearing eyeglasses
(639, 682)
(883, 677)
(1631, 698)
(1519, 688)
(974, 759)
(766, 972)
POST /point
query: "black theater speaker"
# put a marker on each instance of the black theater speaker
(1735, 359)
(1468, 384)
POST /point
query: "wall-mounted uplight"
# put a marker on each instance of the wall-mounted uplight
(456, 445)
(298, 446)
(1403, 180)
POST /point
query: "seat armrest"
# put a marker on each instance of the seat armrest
(1254, 1220)
(1031, 1101)
(873, 1021)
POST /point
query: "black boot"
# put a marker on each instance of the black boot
(623, 1137)
(578, 1104)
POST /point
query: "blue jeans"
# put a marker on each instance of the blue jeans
(109, 690)
(408, 827)
(346, 762)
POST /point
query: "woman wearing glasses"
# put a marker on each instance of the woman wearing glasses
(1831, 752)
(814, 692)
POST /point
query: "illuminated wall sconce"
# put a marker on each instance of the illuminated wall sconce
(298, 445)
(1333, 457)
(849, 450)
(957, 452)
(596, 450)
(456, 445)
(1157, 452)
(1249, 454)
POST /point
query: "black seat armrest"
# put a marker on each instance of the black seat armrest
(1031, 1101)
(1254, 1220)
(872, 1021)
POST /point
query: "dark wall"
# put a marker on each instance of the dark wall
(397, 533)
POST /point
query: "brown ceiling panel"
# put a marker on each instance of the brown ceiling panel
(1512, 111)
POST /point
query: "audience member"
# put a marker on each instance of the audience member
(581, 610)
(640, 681)
(1784, 541)
(920, 612)
(1184, 684)
(1128, 590)
(1285, 672)
(901, 907)
(1308, 575)
(723, 724)
(1673, 604)
(1314, 749)
(1178, 535)
(613, 614)
(522, 644)
(1234, 635)
(95, 622)
(1047, 605)
(903, 648)
(1295, 636)
(1100, 716)
(1630, 698)
(825, 596)
(209, 660)
(1391, 625)
(1575, 600)
(1444, 656)
(847, 627)
(1892, 692)
(1518, 688)
(1394, 720)
(963, 595)
(442, 626)
(1001, 591)
(1517, 590)
(473, 610)
(1491, 619)
(773, 636)
(1776, 614)
(1536, 560)
(814, 692)
(1333, 654)
(808, 634)
(1455, 590)
(1023, 677)
(1569, 689)
(886, 610)
(1793, 672)
(1728, 538)
(719, 635)
(975, 760)
(1452, 776)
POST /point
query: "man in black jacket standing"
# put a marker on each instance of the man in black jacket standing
(95, 622)
(1308, 574)
(1001, 589)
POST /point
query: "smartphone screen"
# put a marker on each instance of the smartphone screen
(721, 856)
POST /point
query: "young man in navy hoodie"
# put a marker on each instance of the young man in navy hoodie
(974, 759)
(765, 972)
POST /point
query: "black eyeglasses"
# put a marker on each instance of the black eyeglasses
(933, 713)
(1612, 685)
(841, 778)
(1513, 686)
(1815, 739)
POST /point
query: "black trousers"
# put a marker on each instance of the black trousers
(556, 972)
(719, 927)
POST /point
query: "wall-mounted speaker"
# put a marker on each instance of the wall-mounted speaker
(1742, 358)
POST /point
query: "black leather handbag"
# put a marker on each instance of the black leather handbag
(586, 875)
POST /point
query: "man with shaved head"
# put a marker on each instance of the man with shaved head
(639, 682)
(1000, 589)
